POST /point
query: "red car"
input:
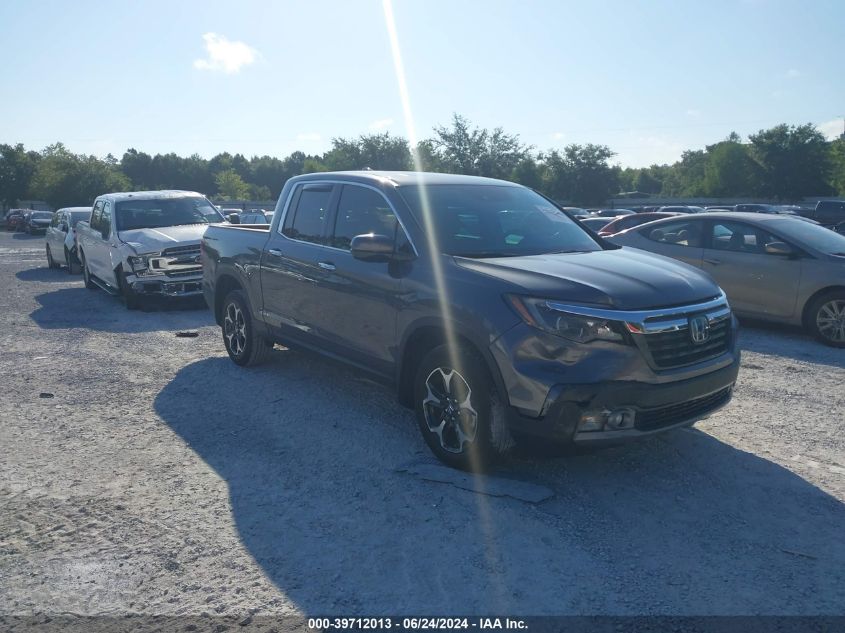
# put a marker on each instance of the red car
(629, 221)
(15, 220)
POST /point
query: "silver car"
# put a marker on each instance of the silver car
(60, 237)
(772, 267)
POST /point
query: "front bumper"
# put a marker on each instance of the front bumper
(164, 286)
(655, 408)
(551, 384)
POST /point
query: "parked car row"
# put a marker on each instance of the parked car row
(772, 267)
(33, 222)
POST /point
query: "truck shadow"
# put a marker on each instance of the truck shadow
(47, 275)
(787, 341)
(680, 524)
(78, 307)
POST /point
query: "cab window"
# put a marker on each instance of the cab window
(307, 220)
(361, 210)
(95, 215)
(105, 220)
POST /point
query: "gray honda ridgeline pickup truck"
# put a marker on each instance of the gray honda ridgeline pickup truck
(492, 312)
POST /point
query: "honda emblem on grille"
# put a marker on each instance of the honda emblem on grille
(699, 329)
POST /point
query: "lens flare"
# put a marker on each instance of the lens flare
(485, 522)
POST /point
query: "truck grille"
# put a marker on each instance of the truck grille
(676, 348)
(178, 261)
(652, 419)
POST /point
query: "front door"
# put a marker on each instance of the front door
(359, 298)
(756, 282)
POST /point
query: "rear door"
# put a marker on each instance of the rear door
(359, 298)
(756, 283)
(680, 239)
(291, 262)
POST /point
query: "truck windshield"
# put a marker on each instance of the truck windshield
(496, 221)
(150, 214)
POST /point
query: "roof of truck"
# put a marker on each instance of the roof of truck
(148, 195)
(406, 178)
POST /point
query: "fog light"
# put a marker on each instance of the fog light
(592, 421)
(621, 419)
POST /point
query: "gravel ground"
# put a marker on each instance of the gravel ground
(159, 478)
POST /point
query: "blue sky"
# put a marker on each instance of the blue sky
(649, 79)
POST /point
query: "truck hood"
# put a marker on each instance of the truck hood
(157, 239)
(622, 279)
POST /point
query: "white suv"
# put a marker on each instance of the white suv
(145, 243)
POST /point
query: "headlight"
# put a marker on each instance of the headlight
(139, 263)
(575, 327)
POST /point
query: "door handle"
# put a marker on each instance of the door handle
(714, 262)
(274, 251)
(326, 265)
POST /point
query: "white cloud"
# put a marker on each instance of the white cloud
(792, 73)
(692, 112)
(308, 136)
(225, 55)
(832, 129)
(381, 124)
(558, 136)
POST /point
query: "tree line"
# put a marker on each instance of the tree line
(785, 162)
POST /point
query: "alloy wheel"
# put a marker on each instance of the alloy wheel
(234, 329)
(448, 409)
(830, 320)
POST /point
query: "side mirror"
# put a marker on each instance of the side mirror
(372, 247)
(234, 218)
(778, 248)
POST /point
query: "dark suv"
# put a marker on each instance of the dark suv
(829, 213)
(491, 312)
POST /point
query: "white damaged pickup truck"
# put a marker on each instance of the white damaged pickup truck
(145, 243)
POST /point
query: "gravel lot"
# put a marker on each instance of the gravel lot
(159, 478)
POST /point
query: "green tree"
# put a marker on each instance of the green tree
(465, 150)
(730, 170)
(686, 177)
(17, 167)
(837, 165)
(529, 173)
(230, 186)
(794, 161)
(66, 179)
(646, 182)
(373, 151)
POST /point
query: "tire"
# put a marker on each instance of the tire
(51, 263)
(86, 275)
(826, 318)
(129, 297)
(244, 346)
(458, 410)
(72, 263)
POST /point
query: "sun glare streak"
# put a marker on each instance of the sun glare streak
(485, 522)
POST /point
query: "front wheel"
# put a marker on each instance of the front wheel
(243, 344)
(826, 318)
(130, 298)
(458, 410)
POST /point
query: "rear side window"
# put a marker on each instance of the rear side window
(307, 221)
(830, 211)
(680, 233)
(361, 211)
